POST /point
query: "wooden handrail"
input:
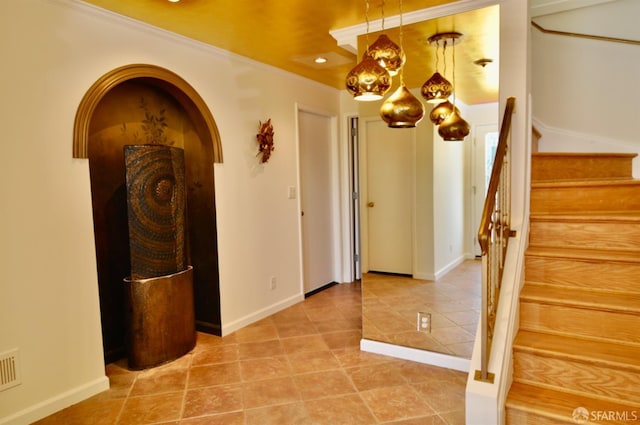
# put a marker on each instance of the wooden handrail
(493, 237)
(490, 200)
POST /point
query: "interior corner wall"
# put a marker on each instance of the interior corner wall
(586, 86)
(588, 103)
(53, 51)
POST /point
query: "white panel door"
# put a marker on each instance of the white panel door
(316, 199)
(389, 203)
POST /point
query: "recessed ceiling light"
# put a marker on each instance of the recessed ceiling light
(320, 60)
(174, 1)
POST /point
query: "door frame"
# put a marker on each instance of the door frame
(364, 222)
(335, 191)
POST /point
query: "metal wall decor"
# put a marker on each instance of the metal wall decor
(265, 140)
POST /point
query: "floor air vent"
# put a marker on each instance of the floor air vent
(9, 369)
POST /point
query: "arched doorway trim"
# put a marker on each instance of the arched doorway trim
(162, 78)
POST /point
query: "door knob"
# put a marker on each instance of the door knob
(371, 204)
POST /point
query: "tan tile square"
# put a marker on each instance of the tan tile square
(216, 374)
(255, 350)
(159, 380)
(343, 339)
(269, 392)
(376, 376)
(217, 354)
(88, 412)
(257, 333)
(343, 410)
(417, 372)
(323, 313)
(264, 368)
(395, 403)
(212, 400)
(151, 409)
(304, 343)
(294, 413)
(235, 418)
(297, 328)
(205, 341)
(313, 361)
(324, 384)
(443, 396)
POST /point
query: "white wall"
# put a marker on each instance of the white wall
(585, 92)
(53, 51)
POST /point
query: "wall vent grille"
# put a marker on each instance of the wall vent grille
(9, 369)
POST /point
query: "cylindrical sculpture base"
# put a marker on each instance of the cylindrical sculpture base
(161, 318)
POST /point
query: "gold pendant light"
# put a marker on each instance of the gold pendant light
(402, 109)
(440, 112)
(368, 80)
(437, 88)
(454, 127)
(388, 54)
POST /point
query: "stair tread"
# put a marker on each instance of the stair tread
(581, 298)
(561, 405)
(555, 184)
(584, 254)
(630, 216)
(584, 154)
(597, 352)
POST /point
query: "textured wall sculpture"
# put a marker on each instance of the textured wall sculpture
(156, 208)
(160, 290)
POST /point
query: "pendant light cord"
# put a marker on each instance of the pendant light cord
(453, 63)
(366, 18)
(401, 42)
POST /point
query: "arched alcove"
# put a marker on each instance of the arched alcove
(138, 104)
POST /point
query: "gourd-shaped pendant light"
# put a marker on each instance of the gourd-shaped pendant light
(437, 88)
(454, 127)
(387, 53)
(402, 109)
(368, 80)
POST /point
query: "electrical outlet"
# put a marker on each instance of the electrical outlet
(273, 283)
(424, 322)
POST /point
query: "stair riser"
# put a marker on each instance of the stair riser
(597, 275)
(557, 319)
(562, 168)
(584, 199)
(612, 235)
(578, 377)
(515, 416)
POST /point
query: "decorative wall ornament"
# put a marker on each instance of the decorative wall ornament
(265, 140)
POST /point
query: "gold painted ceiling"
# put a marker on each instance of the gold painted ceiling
(289, 34)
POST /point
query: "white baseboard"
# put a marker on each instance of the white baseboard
(240, 323)
(57, 403)
(416, 355)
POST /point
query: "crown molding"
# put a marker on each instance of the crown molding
(347, 37)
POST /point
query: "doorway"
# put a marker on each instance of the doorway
(387, 158)
(485, 143)
(318, 186)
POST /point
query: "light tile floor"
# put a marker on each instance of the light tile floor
(391, 304)
(300, 366)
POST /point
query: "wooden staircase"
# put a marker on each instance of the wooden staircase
(579, 340)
